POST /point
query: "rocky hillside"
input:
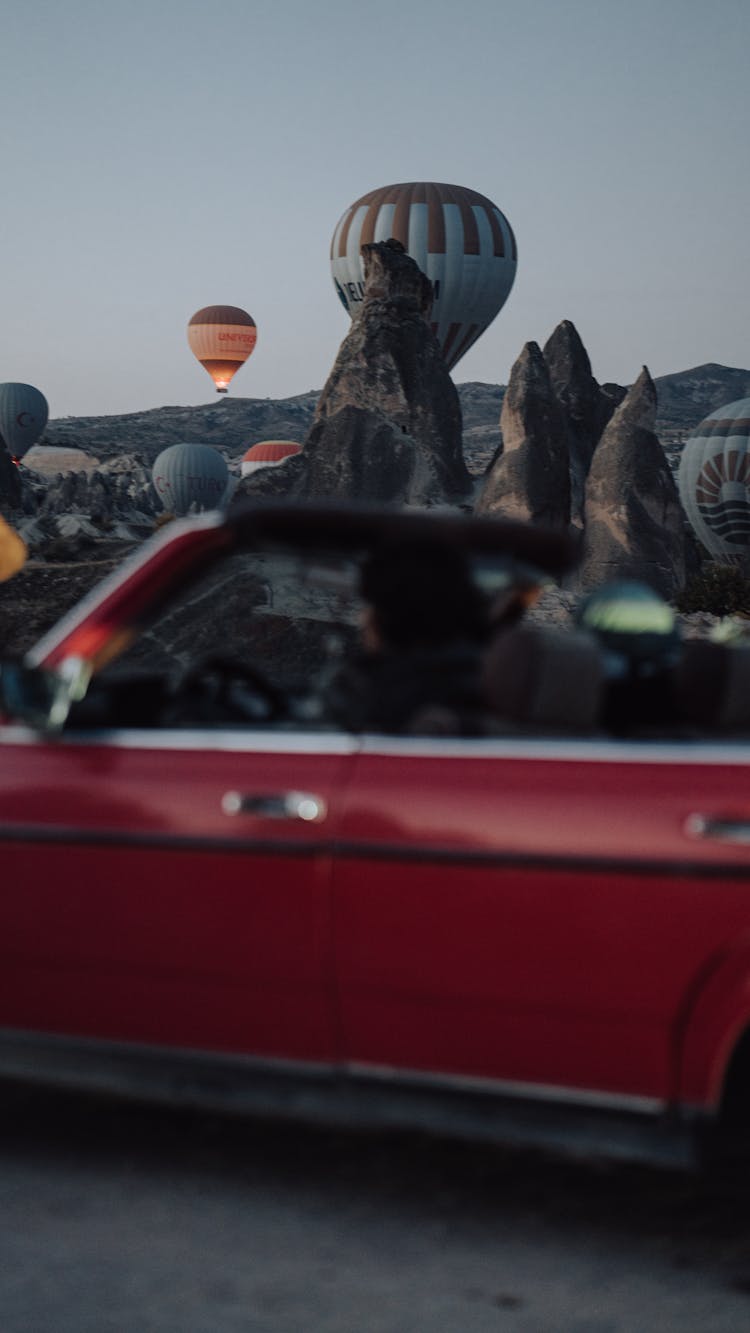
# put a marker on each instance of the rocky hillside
(230, 424)
(233, 424)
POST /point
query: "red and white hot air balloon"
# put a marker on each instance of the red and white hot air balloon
(268, 453)
(459, 239)
(222, 337)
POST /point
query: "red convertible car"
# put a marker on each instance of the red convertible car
(535, 930)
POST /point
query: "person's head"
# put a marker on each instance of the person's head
(420, 594)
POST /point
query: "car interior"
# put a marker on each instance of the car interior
(258, 642)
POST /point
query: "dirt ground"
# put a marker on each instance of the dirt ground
(118, 1217)
(36, 598)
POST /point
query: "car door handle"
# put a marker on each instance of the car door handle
(302, 805)
(722, 828)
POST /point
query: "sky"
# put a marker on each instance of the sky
(158, 158)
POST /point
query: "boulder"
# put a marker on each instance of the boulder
(634, 525)
(530, 479)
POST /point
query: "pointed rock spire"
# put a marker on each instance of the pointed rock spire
(634, 524)
(530, 479)
(585, 406)
(388, 422)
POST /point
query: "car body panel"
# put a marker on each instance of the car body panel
(134, 907)
(535, 920)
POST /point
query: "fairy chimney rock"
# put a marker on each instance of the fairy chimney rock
(388, 423)
(634, 523)
(530, 479)
(585, 405)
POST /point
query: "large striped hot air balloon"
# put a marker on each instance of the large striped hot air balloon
(23, 416)
(459, 239)
(222, 337)
(713, 480)
(190, 477)
(268, 453)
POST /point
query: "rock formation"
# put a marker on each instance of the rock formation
(530, 479)
(586, 407)
(634, 525)
(57, 514)
(388, 423)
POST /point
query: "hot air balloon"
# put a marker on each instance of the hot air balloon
(268, 453)
(190, 476)
(713, 480)
(23, 416)
(459, 239)
(222, 337)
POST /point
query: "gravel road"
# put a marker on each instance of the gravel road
(117, 1217)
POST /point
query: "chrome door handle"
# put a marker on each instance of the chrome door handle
(302, 805)
(722, 828)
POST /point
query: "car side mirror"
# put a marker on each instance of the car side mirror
(34, 695)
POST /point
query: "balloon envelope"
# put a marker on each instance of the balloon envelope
(268, 453)
(190, 476)
(459, 239)
(222, 337)
(23, 416)
(713, 480)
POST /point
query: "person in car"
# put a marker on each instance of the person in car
(423, 627)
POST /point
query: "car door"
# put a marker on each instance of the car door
(540, 914)
(170, 887)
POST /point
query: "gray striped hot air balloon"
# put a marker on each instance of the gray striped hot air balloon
(23, 416)
(713, 480)
(190, 477)
(459, 239)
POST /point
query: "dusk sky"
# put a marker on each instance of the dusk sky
(162, 157)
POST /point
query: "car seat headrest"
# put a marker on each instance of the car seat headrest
(545, 677)
(712, 684)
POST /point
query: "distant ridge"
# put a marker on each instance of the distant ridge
(687, 397)
(233, 424)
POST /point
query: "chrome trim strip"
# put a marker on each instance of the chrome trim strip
(31, 1046)
(491, 1087)
(595, 750)
(729, 753)
(28, 1044)
(217, 740)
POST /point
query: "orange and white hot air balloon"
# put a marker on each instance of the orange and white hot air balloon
(222, 337)
(268, 453)
(459, 239)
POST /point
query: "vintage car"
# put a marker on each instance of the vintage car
(538, 932)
